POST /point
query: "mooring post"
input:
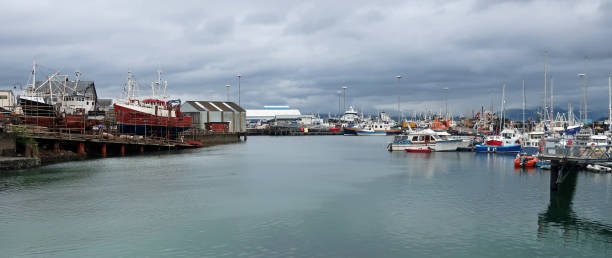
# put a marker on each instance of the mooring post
(122, 150)
(56, 146)
(103, 151)
(554, 175)
(141, 149)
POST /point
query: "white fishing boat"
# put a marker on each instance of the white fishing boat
(426, 138)
(533, 141)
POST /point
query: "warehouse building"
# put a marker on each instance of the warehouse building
(216, 116)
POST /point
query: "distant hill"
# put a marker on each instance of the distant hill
(517, 114)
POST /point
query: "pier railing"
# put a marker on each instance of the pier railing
(579, 153)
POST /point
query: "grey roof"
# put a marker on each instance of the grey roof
(216, 106)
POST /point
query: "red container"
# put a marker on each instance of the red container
(218, 127)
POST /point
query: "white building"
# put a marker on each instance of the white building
(7, 99)
(271, 112)
(203, 112)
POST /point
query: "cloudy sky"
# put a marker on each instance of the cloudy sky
(300, 53)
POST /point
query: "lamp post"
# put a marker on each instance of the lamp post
(399, 112)
(446, 103)
(584, 97)
(339, 102)
(344, 89)
(228, 89)
(239, 75)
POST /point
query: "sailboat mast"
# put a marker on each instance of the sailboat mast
(523, 106)
(610, 99)
(552, 84)
(501, 122)
(586, 103)
(545, 84)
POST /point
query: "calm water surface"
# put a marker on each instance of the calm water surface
(302, 196)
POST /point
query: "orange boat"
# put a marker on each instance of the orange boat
(525, 161)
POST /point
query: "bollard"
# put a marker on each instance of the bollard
(122, 150)
(141, 149)
(103, 150)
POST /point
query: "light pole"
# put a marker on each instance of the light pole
(228, 89)
(399, 112)
(584, 97)
(446, 103)
(610, 101)
(239, 75)
(339, 102)
(344, 88)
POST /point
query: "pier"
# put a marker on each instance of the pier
(292, 131)
(568, 159)
(28, 146)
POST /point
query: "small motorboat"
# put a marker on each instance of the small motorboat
(598, 168)
(419, 149)
(543, 164)
(526, 161)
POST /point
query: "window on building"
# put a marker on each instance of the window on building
(3, 97)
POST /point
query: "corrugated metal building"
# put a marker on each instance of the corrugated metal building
(271, 112)
(203, 112)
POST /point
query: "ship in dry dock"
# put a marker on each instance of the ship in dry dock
(155, 115)
(57, 101)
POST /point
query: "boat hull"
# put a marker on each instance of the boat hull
(377, 133)
(418, 149)
(514, 148)
(450, 145)
(130, 121)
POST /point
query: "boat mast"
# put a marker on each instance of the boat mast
(523, 106)
(501, 122)
(552, 84)
(586, 104)
(34, 75)
(610, 100)
(545, 84)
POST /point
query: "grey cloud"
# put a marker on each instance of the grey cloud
(301, 53)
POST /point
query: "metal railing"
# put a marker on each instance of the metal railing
(583, 152)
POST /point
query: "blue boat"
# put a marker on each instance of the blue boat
(513, 148)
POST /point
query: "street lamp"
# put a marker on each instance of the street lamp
(339, 102)
(399, 112)
(584, 95)
(239, 75)
(228, 89)
(446, 103)
(344, 88)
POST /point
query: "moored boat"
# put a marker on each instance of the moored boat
(427, 137)
(418, 149)
(507, 142)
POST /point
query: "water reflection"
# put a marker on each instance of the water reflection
(560, 218)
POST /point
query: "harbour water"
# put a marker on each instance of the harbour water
(327, 196)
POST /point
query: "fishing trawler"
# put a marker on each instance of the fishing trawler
(57, 101)
(156, 115)
(508, 141)
(383, 125)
